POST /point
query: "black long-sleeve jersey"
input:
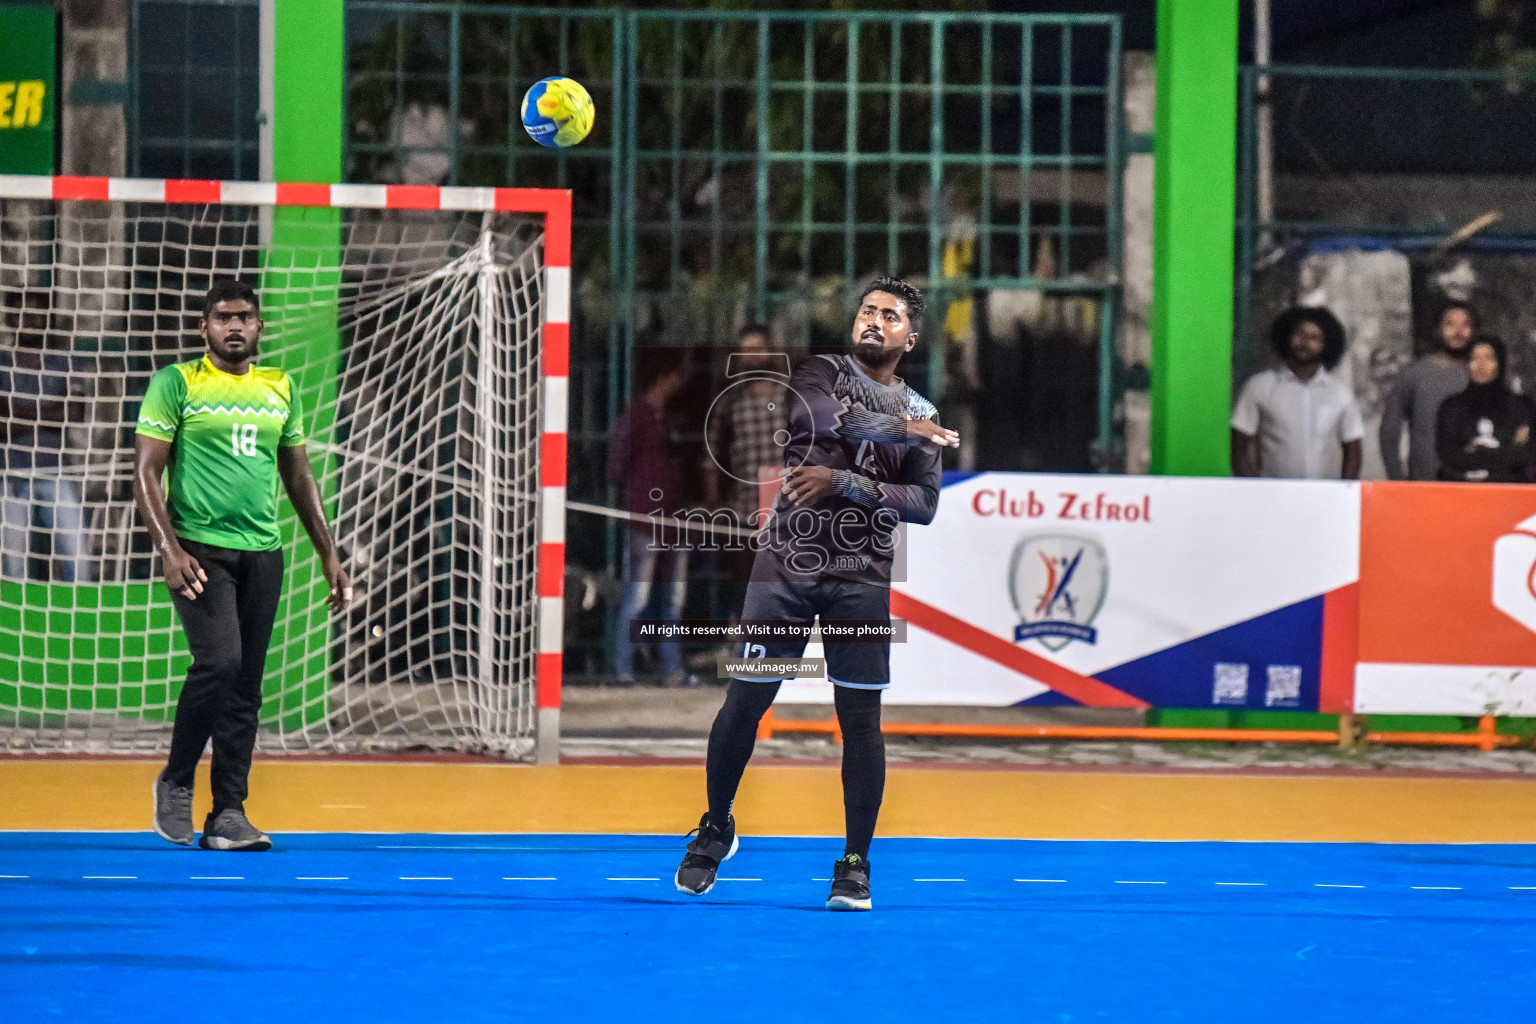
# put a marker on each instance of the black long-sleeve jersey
(842, 418)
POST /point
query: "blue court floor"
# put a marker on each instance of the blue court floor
(366, 927)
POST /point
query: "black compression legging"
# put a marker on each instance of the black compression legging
(858, 713)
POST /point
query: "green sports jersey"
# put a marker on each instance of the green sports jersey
(226, 431)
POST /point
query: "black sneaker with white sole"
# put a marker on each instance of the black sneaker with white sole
(850, 884)
(711, 846)
(231, 830)
(173, 813)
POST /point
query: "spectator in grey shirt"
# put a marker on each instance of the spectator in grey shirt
(1420, 389)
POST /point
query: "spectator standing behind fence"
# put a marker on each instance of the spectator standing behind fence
(643, 460)
(1484, 432)
(1297, 419)
(37, 501)
(748, 428)
(1420, 388)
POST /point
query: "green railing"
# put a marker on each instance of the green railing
(193, 89)
(746, 163)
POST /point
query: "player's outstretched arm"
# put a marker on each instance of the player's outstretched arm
(182, 573)
(304, 495)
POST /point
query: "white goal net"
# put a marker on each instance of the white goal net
(413, 339)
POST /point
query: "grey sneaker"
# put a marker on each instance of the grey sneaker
(230, 830)
(173, 813)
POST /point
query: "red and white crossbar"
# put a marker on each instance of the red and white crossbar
(285, 193)
(554, 205)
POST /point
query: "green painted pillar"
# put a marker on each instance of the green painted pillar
(1194, 222)
(302, 62)
(303, 57)
(1193, 226)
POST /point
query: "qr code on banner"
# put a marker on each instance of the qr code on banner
(1231, 684)
(1284, 689)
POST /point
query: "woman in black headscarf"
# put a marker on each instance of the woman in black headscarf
(1482, 433)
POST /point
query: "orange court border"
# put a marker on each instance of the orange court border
(465, 795)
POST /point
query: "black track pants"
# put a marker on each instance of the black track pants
(228, 627)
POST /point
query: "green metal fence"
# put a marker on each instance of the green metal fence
(193, 89)
(855, 143)
(749, 163)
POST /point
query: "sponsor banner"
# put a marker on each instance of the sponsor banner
(1447, 599)
(1399, 689)
(26, 89)
(1127, 592)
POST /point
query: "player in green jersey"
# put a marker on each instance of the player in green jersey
(228, 430)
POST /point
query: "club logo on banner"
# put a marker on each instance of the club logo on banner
(1058, 582)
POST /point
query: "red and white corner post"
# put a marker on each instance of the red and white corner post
(555, 367)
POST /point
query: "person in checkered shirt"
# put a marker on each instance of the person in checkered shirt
(746, 434)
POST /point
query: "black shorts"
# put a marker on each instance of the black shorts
(864, 665)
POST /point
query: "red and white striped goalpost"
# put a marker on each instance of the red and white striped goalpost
(554, 205)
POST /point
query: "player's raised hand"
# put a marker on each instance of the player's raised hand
(341, 584)
(807, 483)
(182, 573)
(930, 431)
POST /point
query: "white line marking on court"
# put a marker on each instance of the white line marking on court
(529, 878)
(1039, 879)
(1331, 885)
(938, 879)
(1456, 888)
(217, 878)
(821, 879)
(499, 849)
(1512, 887)
(1140, 883)
(114, 878)
(426, 878)
(634, 879)
(320, 878)
(29, 876)
(1242, 883)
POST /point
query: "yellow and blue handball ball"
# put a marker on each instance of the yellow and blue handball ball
(558, 112)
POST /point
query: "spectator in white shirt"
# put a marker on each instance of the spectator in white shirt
(1298, 420)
